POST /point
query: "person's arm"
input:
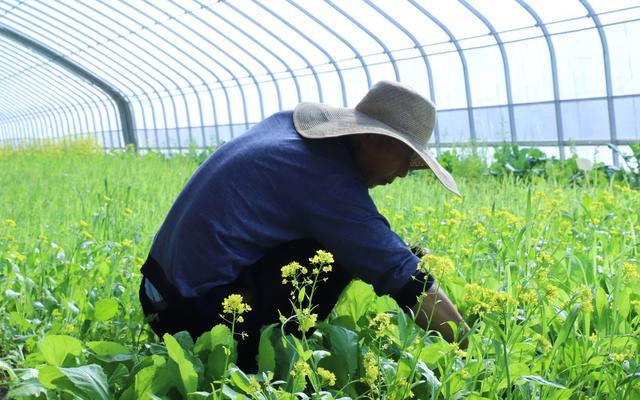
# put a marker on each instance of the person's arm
(435, 311)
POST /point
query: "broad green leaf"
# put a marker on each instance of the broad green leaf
(427, 374)
(354, 302)
(56, 348)
(629, 378)
(232, 394)
(90, 379)
(210, 347)
(143, 383)
(286, 356)
(185, 340)
(561, 394)
(106, 348)
(154, 378)
(567, 327)
(105, 309)
(240, 380)
(186, 369)
(199, 396)
(30, 388)
(266, 352)
(342, 343)
(52, 378)
(432, 353)
(219, 334)
(538, 380)
(601, 301)
(7, 368)
(622, 303)
(110, 351)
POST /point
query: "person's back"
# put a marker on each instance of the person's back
(243, 200)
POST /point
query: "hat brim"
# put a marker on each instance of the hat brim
(320, 121)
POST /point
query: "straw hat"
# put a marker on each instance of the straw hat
(389, 108)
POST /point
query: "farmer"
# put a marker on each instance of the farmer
(295, 183)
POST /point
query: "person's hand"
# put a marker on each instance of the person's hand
(436, 312)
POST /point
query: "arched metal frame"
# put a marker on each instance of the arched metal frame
(120, 68)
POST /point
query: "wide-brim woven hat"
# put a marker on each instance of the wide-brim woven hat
(389, 108)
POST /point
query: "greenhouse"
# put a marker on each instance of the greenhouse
(446, 193)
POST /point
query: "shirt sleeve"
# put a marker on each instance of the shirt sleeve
(343, 218)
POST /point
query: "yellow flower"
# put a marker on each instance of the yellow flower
(69, 328)
(419, 226)
(307, 320)
(84, 224)
(528, 298)
(289, 270)
(100, 280)
(87, 235)
(10, 223)
(380, 323)
(544, 343)
(371, 369)
(538, 195)
(458, 351)
(233, 305)
(630, 271)
(551, 292)
(565, 226)
(508, 217)
(543, 258)
(620, 357)
(301, 368)
(435, 265)
(254, 385)
(43, 238)
(585, 298)
(482, 300)
(106, 198)
(20, 257)
(479, 230)
(322, 258)
(127, 243)
(127, 212)
(327, 376)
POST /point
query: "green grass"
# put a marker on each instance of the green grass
(547, 274)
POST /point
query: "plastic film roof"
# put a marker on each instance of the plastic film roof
(172, 74)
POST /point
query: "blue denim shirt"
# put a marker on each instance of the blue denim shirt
(269, 186)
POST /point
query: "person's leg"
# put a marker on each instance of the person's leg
(261, 286)
(271, 295)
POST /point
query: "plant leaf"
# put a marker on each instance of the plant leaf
(105, 309)
(56, 348)
(539, 380)
(186, 369)
(90, 379)
(266, 351)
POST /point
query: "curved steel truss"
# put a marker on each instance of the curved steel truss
(174, 74)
